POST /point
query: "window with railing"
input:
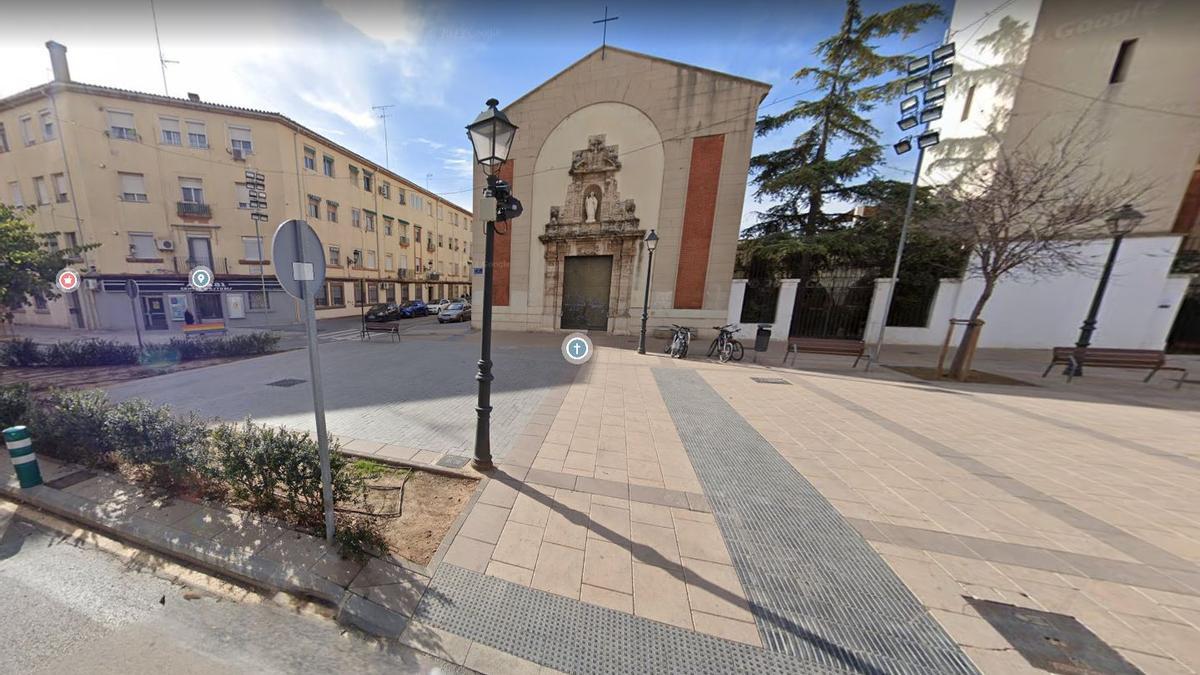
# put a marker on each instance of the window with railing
(120, 125)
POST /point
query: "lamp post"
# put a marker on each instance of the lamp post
(927, 75)
(651, 242)
(491, 137)
(1120, 223)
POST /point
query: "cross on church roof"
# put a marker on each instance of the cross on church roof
(604, 35)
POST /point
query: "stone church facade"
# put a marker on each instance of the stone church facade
(618, 144)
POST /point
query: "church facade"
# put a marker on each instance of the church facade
(614, 146)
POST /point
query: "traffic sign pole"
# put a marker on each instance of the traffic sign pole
(300, 268)
(131, 290)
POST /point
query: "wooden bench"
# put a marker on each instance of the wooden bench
(839, 347)
(388, 327)
(210, 328)
(1135, 359)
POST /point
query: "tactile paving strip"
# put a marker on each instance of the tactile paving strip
(577, 637)
(817, 590)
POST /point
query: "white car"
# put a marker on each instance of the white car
(436, 306)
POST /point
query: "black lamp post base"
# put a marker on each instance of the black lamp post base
(482, 465)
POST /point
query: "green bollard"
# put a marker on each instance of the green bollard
(20, 449)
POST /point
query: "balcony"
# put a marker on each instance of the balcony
(403, 240)
(193, 210)
(403, 274)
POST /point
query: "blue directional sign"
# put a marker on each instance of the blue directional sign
(577, 349)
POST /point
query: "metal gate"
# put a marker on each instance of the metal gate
(1185, 334)
(834, 305)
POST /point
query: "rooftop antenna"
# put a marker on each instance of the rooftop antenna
(382, 111)
(162, 62)
(604, 35)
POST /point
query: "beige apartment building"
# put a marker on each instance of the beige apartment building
(159, 184)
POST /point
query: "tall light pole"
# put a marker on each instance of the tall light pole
(491, 137)
(651, 242)
(930, 73)
(1120, 223)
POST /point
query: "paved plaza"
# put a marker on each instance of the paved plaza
(690, 516)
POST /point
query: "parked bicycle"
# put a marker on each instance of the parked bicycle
(681, 337)
(725, 346)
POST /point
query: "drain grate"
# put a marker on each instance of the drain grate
(770, 380)
(286, 382)
(1053, 642)
(74, 478)
(452, 461)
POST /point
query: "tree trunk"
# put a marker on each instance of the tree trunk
(960, 368)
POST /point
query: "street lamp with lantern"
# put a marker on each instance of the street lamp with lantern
(491, 137)
(651, 242)
(1122, 221)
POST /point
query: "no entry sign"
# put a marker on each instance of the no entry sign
(67, 280)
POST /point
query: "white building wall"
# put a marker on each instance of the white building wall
(1137, 312)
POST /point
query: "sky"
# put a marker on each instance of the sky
(326, 63)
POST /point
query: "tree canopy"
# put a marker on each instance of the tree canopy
(28, 263)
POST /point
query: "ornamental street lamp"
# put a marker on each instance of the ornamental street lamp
(651, 242)
(1120, 223)
(491, 137)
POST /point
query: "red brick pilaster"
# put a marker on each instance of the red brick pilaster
(704, 177)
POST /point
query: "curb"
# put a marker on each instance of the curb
(210, 557)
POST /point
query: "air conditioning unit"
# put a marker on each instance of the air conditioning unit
(166, 245)
(90, 284)
(238, 155)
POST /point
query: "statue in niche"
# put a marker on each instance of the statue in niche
(590, 204)
(553, 215)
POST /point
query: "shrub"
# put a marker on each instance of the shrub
(191, 349)
(277, 469)
(148, 438)
(22, 352)
(70, 425)
(358, 537)
(14, 405)
(90, 353)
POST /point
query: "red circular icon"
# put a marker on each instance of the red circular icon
(67, 280)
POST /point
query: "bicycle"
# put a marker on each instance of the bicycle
(681, 337)
(725, 346)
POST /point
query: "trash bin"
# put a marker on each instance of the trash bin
(762, 338)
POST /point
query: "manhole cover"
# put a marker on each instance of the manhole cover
(286, 382)
(1054, 642)
(770, 380)
(64, 482)
(452, 461)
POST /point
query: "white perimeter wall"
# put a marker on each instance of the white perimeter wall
(1139, 306)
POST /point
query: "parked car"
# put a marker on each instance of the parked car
(385, 311)
(436, 306)
(414, 308)
(455, 311)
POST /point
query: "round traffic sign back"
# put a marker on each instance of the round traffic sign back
(299, 259)
(201, 278)
(67, 280)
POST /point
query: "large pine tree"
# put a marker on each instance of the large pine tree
(852, 81)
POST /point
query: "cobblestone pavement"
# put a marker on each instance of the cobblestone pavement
(418, 394)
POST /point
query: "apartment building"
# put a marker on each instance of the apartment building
(160, 185)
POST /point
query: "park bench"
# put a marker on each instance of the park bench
(1135, 359)
(391, 328)
(210, 328)
(836, 346)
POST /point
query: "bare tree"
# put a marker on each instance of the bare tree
(1028, 211)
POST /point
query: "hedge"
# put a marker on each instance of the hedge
(96, 352)
(266, 469)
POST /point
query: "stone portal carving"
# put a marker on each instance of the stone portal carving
(593, 220)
